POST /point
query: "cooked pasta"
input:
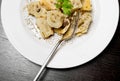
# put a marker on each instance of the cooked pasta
(57, 16)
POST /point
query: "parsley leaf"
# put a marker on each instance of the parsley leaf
(67, 11)
(65, 6)
(58, 5)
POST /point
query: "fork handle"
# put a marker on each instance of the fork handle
(47, 60)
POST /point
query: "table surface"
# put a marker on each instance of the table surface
(14, 67)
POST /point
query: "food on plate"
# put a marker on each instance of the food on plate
(70, 31)
(76, 4)
(34, 9)
(48, 4)
(62, 30)
(57, 16)
(83, 23)
(86, 5)
(45, 30)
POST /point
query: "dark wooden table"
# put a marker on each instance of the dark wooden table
(14, 67)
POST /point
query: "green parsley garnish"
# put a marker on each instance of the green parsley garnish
(65, 6)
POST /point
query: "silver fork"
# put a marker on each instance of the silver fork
(51, 55)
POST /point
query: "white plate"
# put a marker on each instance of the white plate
(75, 52)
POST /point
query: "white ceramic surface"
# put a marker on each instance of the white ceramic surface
(74, 53)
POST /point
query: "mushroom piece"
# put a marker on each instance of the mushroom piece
(34, 8)
(83, 23)
(64, 28)
(45, 30)
(55, 18)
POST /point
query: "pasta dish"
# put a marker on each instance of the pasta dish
(57, 16)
